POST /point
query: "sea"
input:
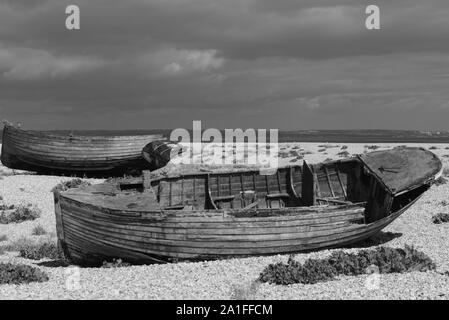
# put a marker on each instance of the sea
(346, 136)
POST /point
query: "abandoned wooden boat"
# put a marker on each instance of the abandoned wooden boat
(43, 152)
(213, 215)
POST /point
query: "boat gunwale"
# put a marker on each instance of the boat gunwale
(80, 138)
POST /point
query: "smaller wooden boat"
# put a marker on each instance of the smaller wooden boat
(192, 215)
(73, 155)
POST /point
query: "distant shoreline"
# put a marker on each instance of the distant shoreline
(323, 136)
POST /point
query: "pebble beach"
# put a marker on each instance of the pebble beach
(233, 278)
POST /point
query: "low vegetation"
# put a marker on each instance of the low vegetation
(74, 183)
(440, 218)
(3, 237)
(40, 251)
(373, 147)
(13, 214)
(33, 250)
(343, 154)
(38, 231)
(387, 260)
(433, 148)
(4, 207)
(20, 273)
(344, 147)
(115, 263)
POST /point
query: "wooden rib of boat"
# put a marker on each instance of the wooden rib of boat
(43, 152)
(213, 215)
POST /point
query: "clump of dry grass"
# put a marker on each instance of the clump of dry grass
(4, 207)
(33, 250)
(115, 263)
(38, 231)
(74, 183)
(13, 214)
(387, 260)
(440, 218)
(373, 147)
(343, 154)
(20, 273)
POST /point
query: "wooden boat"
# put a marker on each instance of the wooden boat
(212, 215)
(43, 152)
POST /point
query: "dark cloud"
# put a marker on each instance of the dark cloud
(250, 63)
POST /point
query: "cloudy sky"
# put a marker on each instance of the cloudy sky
(287, 64)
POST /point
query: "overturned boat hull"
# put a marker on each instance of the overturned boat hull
(42, 152)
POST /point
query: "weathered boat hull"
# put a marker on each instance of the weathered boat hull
(202, 215)
(88, 241)
(41, 152)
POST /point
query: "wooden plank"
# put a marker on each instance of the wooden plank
(329, 181)
(277, 195)
(146, 174)
(251, 205)
(333, 201)
(343, 188)
(199, 240)
(308, 185)
(232, 228)
(210, 203)
(243, 191)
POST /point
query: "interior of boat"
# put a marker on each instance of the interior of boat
(337, 183)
